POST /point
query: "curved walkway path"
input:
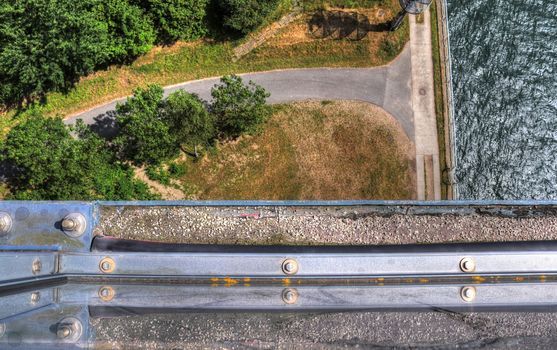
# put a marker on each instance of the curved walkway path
(387, 86)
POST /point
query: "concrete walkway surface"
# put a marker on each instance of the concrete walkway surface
(423, 105)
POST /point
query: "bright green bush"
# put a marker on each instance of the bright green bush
(239, 108)
(159, 174)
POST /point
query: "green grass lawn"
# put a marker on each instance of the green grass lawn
(205, 58)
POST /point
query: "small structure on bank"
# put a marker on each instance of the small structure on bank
(413, 7)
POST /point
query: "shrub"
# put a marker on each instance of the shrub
(159, 174)
(176, 170)
(238, 108)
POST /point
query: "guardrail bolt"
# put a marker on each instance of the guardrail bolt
(106, 293)
(74, 224)
(107, 265)
(468, 294)
(467, 265)
(289, 266)
(37, 266)
(5, 223)
(35, 297)
(290, 295)
(69, 329)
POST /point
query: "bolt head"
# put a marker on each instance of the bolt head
(290, 295)
(69, 330)
(64, 332)
(468, 293)
(290, 266)
(107, 265)
(467, 265)
(74, 224)
(37, 266)
(69, 224)
(35, 297)
(106, 293)
(5, 223)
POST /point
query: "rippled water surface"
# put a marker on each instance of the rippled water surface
(504, 62)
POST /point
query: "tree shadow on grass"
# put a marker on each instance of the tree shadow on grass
(342, 25)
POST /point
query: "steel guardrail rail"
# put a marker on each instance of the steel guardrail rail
(58, 272)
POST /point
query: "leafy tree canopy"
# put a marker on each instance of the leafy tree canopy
(188, 119)
(46, 45)
(243, 16)
(239, 108)
(71, 169)
(130, 32)
(177, 19)
(144, 136)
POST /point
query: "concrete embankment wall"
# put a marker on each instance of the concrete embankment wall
(448, 103)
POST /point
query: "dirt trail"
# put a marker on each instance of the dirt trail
(166, 192)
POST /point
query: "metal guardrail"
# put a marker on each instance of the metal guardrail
(57, 276)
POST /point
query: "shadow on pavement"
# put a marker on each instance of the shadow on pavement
(105, 125)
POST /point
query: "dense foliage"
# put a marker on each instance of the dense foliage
(130, 33)
(46, 45)
(177, 19)
(144, 136)
(81, 168)
(238, 108)
(189, 119)
(244, 16)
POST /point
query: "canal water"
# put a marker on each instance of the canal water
(504, 64)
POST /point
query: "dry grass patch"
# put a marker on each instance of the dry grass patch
(295, 45)
(311, 150)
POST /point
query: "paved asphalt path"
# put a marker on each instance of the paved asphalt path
(388, 87)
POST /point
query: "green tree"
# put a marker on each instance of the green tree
(177, 19)
(48, 163)
(239, 108)
(47, 45)
(189, 120)
(243, 16)
(131, 33)
(144, 136)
